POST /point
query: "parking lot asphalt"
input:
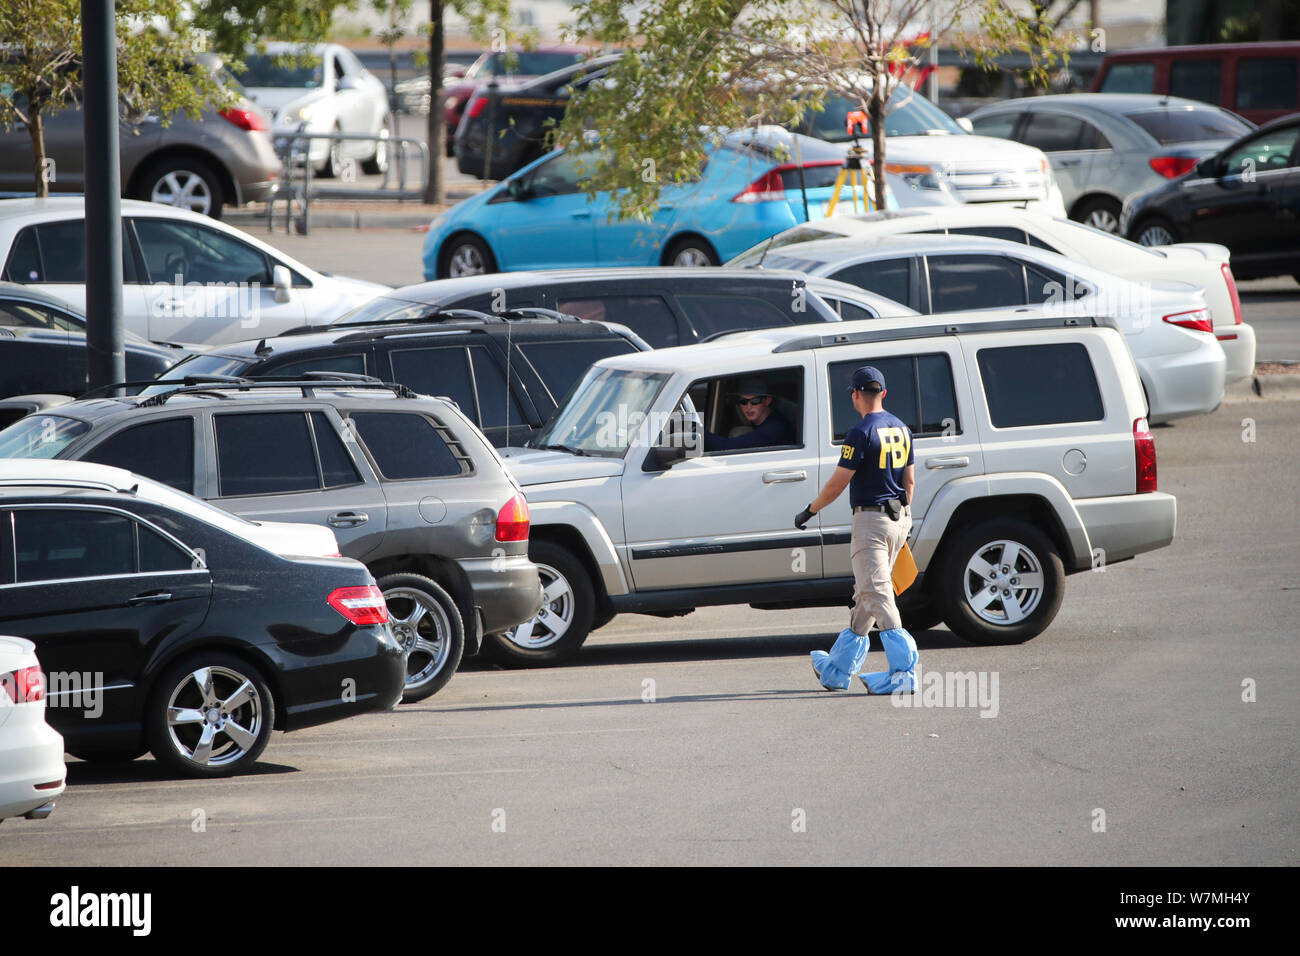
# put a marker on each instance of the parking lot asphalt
(1155, 722)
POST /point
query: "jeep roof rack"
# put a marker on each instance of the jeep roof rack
(307, 383)
(938, 329)
(104, 391)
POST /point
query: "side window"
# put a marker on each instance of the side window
(561, 364)
(159, 554)
(163, 451)
(6, 547)
(776, 420)
(1270, 151)
(336, 465)
(849, 311)
(1047, 286)
(24, 263)
(174, 248)
(1040, 244)
(1266, 83)
(559, 176)
(1130, 78)
(497, 403)
(891, 278)
(18, 314)
(264, 453)
(1009, 233)
(407, 445)
(1092, 138)
(646, 315)
(1052, 132)
(712, 314)
(1001, 125)
(959, 283)
(1197, 80)
(327, 363)
(920, 392)
(443, 371)
(62, 251)
(1039, 385)
(60, 543)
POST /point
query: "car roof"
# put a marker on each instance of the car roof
(1100, 102)
(705, 357)
(914, 244)
(1201, 49)
(37, 207)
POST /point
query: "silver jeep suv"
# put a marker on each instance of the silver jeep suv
(1033, 461)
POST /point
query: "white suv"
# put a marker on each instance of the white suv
(1033, 461)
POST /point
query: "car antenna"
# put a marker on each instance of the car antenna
(263, 348)
(767, 245)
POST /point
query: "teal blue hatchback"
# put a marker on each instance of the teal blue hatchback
(759, 182)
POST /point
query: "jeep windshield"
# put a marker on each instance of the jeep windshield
(603, 413)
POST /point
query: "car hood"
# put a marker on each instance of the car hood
(538, 466)
(277, 99)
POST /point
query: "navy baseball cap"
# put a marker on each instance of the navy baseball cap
(868, 379)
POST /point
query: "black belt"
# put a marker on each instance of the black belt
(880, 508)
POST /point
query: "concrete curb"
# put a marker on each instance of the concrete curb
(327, 215)
(1261, 388)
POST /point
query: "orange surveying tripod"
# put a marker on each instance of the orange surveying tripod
(855, 171)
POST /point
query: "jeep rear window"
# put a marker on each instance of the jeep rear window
(1040, 385)
(405, 445)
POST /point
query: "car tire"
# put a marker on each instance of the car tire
(691, 251)
(1100, 212)
(561, 627)
(428, 625)
(333, 156)
(1155, 231)
(230, 682)
(465, 255)
(377, 164)
(979, 614)
(183, 182)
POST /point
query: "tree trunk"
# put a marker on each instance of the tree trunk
(436, 189)
(36, 128)
(876, 114)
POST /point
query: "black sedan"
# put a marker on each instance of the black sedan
(1246, 197)
(162, 628)
(43, 346)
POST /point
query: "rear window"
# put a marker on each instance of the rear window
(405, 446)
(959, 283)
(40, 436)
(1188, 125)
(647, 315)
(1039, 385)
(560, 364)
(920, 391)
(714, 314)
(1267, 83)
(1130, 78)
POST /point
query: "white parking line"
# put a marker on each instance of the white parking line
(332, 777)
(520, 733)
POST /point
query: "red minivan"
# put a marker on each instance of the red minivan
(1260, 81)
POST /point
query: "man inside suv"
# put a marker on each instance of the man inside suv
(766, 426)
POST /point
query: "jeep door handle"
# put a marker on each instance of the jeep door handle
(780, 477)
(348, 519)
(150, 597)
(957, 461)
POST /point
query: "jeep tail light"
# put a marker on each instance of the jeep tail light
(26, 686)
(1197, 321)
(1144, 454)
(512, 520)
(245, 118)
(476, 106)
(363, 605)
(1171, 167)
(1232, 293)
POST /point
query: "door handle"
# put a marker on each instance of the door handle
(957, 461)
(348, 519)
(150, 597)
(780, 477)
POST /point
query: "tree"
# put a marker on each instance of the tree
(40, 65)
(695, 67)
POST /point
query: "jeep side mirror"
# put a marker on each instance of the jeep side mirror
(683, 438)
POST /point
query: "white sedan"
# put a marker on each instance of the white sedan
(1166, 324)
(1201, 264)
(185, 278)
(32, 772)
(321, 89)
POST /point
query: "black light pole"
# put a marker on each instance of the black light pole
(107, 355)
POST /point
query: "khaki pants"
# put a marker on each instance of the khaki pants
(873, 548)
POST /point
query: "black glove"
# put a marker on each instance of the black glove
(802, 518)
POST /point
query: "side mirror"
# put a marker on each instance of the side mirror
(282, 282)
(683, 438)
(965, 123)
(1208, 168)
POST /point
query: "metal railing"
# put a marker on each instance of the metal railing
(299, 187)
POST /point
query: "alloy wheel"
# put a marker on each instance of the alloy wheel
(420, 625)
(1003, 582)
(1103, 219)
(466, 260)
(214, 716)
(690, 256)
(1155, 236)
(553, 620)
(185, 189)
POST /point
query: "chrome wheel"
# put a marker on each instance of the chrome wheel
(1003, 582)
(466, 260)
(1103, 219)
(692, 256)
(421, 626)
(215, 717)
(1155, 236)
(183, 188)
(553, 620)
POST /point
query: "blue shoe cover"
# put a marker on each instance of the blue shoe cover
(900, 652)
(836, 669)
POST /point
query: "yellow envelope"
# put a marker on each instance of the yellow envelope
(904, 570)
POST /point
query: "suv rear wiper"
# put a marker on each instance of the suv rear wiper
(569, 448)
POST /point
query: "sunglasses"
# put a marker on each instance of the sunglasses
(751, 401)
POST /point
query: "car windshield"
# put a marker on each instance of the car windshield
(909, 114)
(1189, 124)
(603, 413)
(386, 309)
(521, 63)
(40, 436)
(16, 314)
(286, 70)
(197, 365)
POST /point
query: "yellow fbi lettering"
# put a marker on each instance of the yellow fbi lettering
(846, 451)
(895, 443)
